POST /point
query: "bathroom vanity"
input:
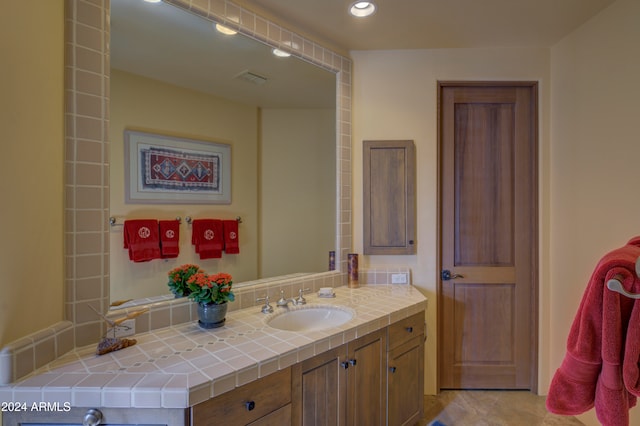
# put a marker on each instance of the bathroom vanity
(368, 370)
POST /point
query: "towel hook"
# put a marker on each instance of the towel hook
(614, 284)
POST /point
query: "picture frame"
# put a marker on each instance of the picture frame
(162, 169)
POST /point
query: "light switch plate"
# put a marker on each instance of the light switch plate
(400, 278)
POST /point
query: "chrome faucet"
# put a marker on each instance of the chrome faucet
(300, 300)
(283, 303)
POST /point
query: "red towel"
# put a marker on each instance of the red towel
(600, 367)
(231, 242)
(169, 238)
(208, 238)
(141, 238)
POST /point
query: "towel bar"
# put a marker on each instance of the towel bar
(113, 220)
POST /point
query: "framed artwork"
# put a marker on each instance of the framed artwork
(165, 169)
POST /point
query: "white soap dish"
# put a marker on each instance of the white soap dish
(327, 295)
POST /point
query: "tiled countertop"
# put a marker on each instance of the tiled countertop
(180, 366)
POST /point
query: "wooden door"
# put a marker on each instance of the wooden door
(488, 247)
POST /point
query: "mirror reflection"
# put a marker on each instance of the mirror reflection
(173, 74)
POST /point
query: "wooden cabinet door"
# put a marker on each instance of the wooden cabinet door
(389, 206)
(280, 417)
(405, 381)
(367, 384)
(319, 389)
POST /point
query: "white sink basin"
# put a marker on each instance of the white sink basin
(310, 317)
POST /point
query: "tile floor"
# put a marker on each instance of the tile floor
(490, 408)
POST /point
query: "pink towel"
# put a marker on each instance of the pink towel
(231, 241)
(602, 340)
(169, 238)
(141, 238)
(208, 238)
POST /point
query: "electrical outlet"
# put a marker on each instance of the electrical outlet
(127, 328)
(399, 278)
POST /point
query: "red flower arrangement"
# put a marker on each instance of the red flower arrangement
(179, 276)
(211, 288)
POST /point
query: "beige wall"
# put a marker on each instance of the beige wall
(595, 152)
(31, 176)
(298, 215)
(139, 103)
(395, 97)
(588, 153)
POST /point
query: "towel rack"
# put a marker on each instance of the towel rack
(615, 284)
(113, 220)
(189, 219)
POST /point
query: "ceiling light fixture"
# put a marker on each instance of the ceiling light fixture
(280, 53)
(360, 9)
(225, 30)
(153, 1)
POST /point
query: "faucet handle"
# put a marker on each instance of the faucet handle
(267, 308)
(300, 300)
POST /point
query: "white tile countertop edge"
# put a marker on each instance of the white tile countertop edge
(183, 365)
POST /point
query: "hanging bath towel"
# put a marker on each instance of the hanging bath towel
(231, 240)
(141, 239)
(169, 238)
(208, 238)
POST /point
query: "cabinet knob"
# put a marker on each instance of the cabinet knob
(92, 418)
(353, 362)
(409, 329)
(392, 369)
(250, 405)
(344, 364)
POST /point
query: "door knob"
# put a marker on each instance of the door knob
(92, 418)
(446, 275)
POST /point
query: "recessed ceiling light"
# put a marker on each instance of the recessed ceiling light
(361, 9)
(153, 1)
(228, 30)
(225, 30)
(280, 53)
(283, 53)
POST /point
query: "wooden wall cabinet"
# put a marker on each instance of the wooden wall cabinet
(389, 200)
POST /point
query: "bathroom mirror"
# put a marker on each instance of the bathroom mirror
(173, 74)
(87, 141)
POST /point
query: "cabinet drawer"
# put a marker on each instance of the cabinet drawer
(247, 403)
(406, 329)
